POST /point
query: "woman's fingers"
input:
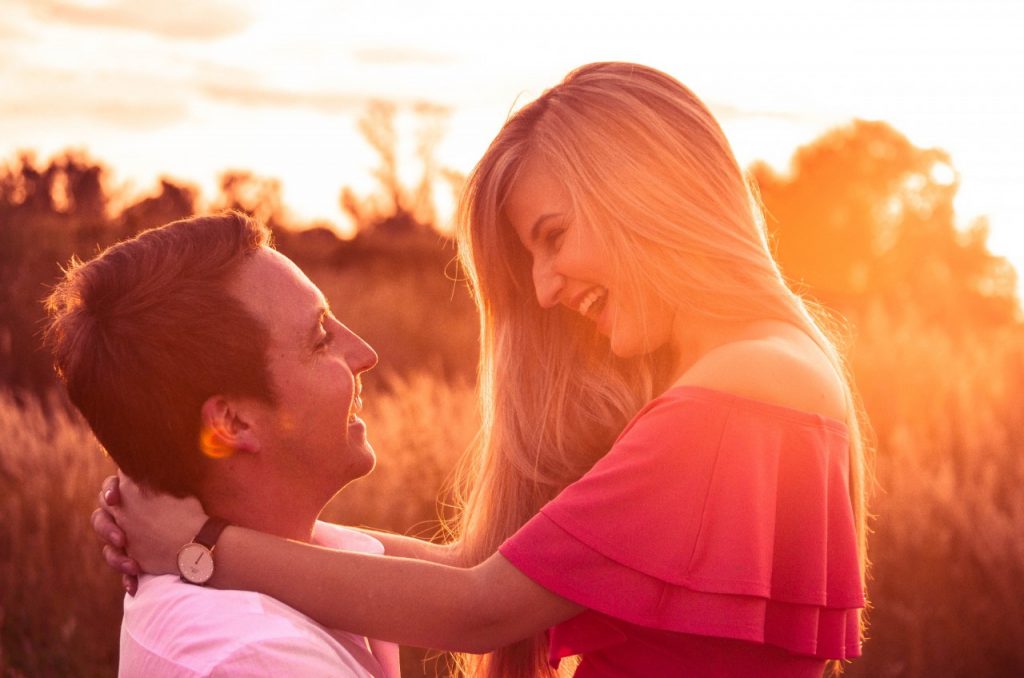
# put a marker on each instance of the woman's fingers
(154, 524)
(104, 525)
(106, 529)
(110, 492)
(129, 567)
(117, 560)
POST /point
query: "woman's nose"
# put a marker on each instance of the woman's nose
(548, 284)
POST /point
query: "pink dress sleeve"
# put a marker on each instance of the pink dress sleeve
(712, 515)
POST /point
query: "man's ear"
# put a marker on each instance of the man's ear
(225, 429)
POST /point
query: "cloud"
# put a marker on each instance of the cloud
(400, 56)
(178, 20)
(244, 90)
(125, 112)
(16, 24)
(261, 96)
(10, 31)
(116, 111)
(123, 101)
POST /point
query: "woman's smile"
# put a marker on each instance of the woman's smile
(592, 303)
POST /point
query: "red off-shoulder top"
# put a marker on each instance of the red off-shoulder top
(715, 538)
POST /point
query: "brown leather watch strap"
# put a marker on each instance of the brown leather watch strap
(210, 532)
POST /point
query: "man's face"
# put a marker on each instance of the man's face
(313, 435)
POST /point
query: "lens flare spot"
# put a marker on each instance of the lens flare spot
(286, 421)
(212, 445)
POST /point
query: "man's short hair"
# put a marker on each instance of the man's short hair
(147, 331)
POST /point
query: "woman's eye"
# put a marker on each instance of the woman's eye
(324, 342)
(554, 237)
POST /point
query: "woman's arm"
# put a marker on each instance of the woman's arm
(409, 601)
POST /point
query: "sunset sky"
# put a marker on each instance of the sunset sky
(192, 87)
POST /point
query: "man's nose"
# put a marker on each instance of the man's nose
(359, 354)
(548, 284)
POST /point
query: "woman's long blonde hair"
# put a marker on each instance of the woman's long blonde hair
(651, 176)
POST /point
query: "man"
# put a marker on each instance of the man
(208, 364)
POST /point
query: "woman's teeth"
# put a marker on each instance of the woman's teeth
(592, 297)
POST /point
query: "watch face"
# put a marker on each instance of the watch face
(195, 563)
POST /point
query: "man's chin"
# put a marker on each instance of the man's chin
(364, 459)
(361, 461)
(371, 460)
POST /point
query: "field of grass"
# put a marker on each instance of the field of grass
(948, 543)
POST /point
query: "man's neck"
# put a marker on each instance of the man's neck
(283, 515)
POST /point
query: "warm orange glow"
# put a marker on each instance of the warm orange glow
(212, 445)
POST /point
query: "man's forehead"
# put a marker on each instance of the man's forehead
(277, 290)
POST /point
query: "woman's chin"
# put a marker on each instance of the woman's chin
(626, 346)
(623, 348)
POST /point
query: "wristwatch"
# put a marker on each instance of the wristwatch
(195, 559)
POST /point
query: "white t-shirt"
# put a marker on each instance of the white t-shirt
(180, 630)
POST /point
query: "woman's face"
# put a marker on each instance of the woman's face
(573, 269)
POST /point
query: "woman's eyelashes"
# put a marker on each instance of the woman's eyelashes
(553, 238)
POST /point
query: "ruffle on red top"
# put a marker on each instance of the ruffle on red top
(712, 515)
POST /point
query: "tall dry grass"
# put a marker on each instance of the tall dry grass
(948, 542)
(59, 609)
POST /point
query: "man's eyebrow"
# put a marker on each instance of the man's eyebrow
(535, 229)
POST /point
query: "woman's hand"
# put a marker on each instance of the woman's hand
(112, 537)
(152, 526)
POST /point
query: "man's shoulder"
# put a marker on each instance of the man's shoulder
(171, 604)
(169, 617)
(202, 631)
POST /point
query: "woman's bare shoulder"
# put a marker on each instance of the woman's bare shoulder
(783, 368)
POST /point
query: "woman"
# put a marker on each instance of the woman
(670, 480)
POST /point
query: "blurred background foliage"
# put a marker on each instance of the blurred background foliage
(863, 222)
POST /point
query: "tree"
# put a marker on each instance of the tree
(172, 202)
(259, 197)
(47, 212)
(399, 210)
(864, 215)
